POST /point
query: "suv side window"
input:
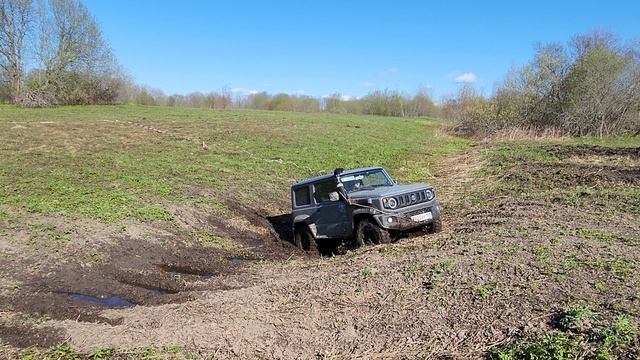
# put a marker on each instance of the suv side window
(322, 190)
(302, 196)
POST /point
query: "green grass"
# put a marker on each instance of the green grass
(530, 170)
(607, 237)
(608, 340)
(209, 238)
(92, 161)
(67, 352)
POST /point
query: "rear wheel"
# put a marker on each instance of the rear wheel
(304, 240)
(368, 233)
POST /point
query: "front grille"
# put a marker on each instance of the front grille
(418, 212)
(412, 198)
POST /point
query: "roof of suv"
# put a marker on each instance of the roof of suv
(330, 175)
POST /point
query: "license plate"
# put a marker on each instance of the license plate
(422, 217)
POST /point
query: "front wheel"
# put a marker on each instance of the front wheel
(369, 233)
(304, 239)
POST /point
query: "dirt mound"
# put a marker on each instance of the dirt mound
(584, 150)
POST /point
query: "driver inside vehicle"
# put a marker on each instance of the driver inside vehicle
(353, 185)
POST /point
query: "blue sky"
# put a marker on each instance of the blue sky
(351, 47)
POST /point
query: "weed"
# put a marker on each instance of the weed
(442, 266)
(555, 345)
(391, 249)
(616, 335)
(171, 349)
(413, 268)
(63, 352)
(210, 238)
(436, 272)
(618, 267)
(40, 318)
(58, 235)
(147, 353)
(366, 272)
(487, 289)
(152, 212)
(95, 256)
(102, 353)
(603, 342)
(607, 237)
(571, 318)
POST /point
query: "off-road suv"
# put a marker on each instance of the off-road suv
(366, 205)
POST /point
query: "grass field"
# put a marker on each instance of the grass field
(116, 162)
(167, 209)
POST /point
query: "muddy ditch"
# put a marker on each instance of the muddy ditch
(133, 270)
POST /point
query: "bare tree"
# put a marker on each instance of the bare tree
(16, 21)
(71, 46)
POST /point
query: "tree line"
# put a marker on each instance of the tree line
(590, 86)
(379, 102)
(53, 52)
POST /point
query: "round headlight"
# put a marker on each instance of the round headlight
(392, 203)
(430, 194)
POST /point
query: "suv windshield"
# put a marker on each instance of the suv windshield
(365, 180)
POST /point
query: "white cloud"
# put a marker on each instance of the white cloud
(465, 78)
(244, 91)
(342, 97)
(389, 71)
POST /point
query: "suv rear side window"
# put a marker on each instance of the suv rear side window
(303, 196)
(322, 190)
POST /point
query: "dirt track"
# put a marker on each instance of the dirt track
(497, 270)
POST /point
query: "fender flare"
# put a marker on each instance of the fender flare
(300, 219)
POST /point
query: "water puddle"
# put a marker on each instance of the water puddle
(110, 301)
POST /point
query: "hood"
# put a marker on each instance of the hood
(384, 191)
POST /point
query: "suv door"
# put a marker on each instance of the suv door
(332, 218)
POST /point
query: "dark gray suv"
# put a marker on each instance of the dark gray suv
(366, 205)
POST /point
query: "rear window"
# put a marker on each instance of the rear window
(322, 190)
(302, 196)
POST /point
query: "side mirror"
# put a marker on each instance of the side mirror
(334, 196)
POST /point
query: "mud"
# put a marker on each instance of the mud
(583, 150)
(24, 336)
(502, 267)
(134, 272)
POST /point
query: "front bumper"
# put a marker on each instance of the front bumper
(401, 218)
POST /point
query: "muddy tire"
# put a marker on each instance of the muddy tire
(303, 239)
(369, 233)
(435, 227)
